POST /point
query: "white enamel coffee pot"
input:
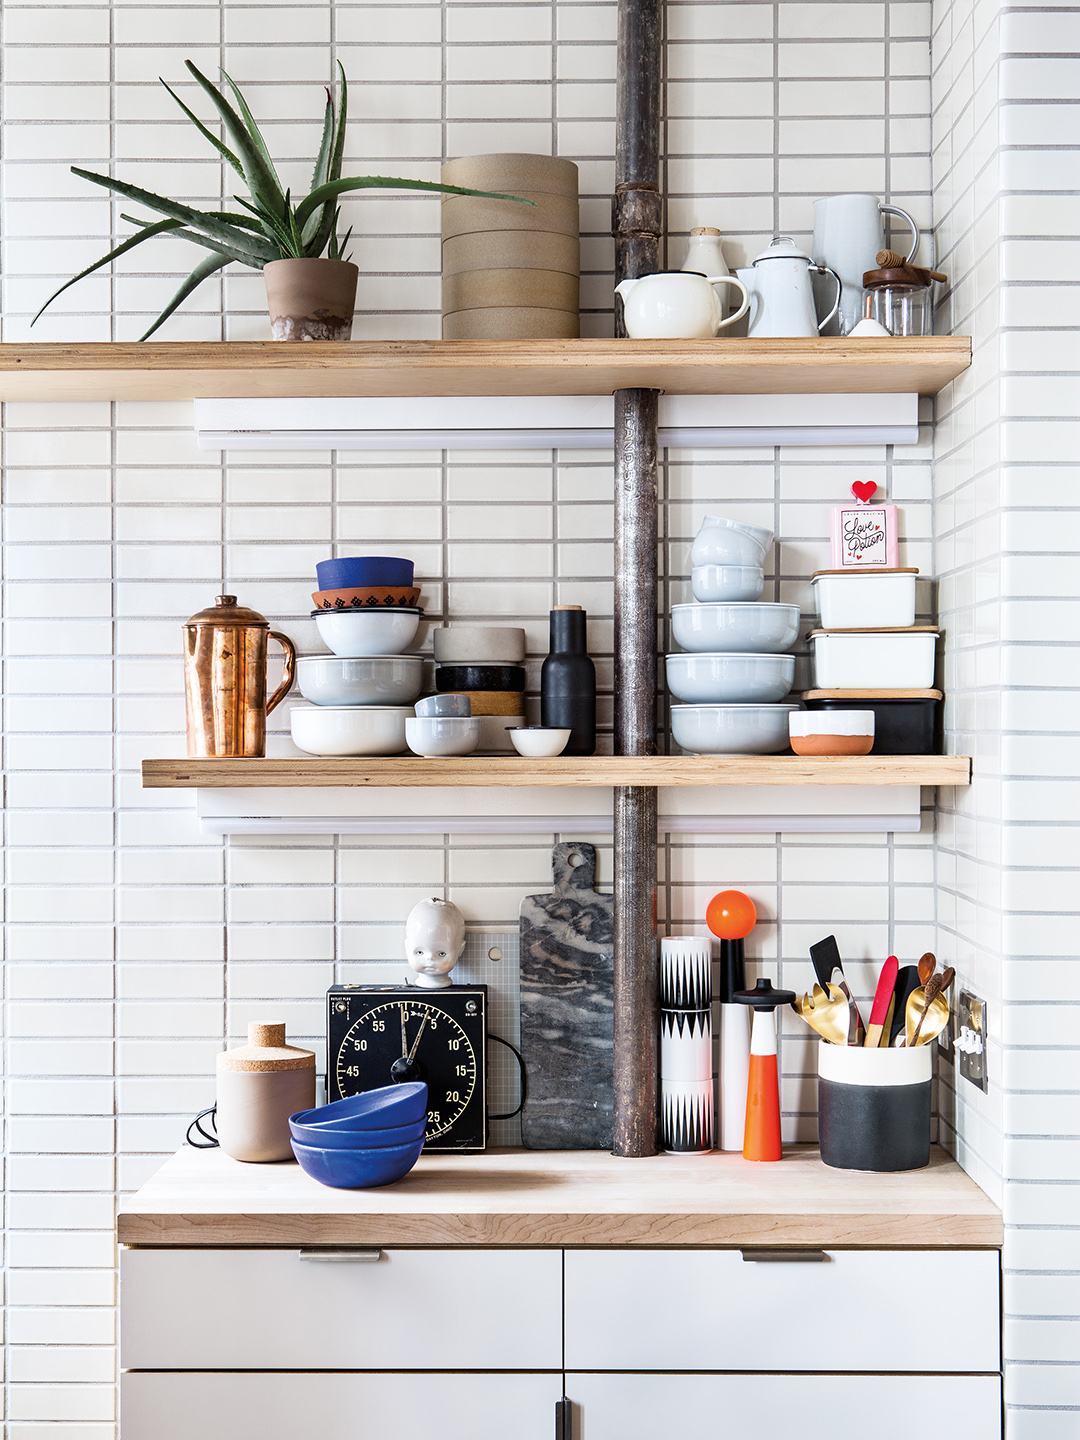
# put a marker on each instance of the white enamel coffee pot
(848, 233)
(677, 305)
(781, 295)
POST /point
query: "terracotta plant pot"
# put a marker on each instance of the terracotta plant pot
(311, 299)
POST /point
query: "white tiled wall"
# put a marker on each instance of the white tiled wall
(135, 946)
(1005, 153)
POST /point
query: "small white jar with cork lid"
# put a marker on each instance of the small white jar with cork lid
(259, 1085)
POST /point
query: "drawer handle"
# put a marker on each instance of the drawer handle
(775, 1257)
(342, 1257)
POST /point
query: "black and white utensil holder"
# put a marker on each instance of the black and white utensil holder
(874, 1107)
(686, 1063)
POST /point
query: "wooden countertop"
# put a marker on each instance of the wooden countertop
(574, 1198)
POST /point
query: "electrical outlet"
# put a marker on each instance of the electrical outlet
(970, 1040)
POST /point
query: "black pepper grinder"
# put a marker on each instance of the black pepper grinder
(568, 681)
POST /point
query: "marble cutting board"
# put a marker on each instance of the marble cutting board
(567, 955)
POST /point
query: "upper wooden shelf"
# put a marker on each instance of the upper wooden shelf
(609, 770)
(268, 369)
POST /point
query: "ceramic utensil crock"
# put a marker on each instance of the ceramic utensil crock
(259, 1085)
(874, 1107)
(225, 679)
(677, 305)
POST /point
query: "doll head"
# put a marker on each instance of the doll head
(434, 941)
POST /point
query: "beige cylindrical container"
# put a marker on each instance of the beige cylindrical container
(511, 271)
(259, 1085)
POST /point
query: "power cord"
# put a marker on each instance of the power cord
(524, 1079)
(210, 1142)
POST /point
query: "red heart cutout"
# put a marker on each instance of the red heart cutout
(863, 490)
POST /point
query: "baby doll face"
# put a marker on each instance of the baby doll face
(434, 937)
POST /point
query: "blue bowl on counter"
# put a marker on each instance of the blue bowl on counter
(402, 1104)
(353, 1169)
(338, 1136)
(364, 570)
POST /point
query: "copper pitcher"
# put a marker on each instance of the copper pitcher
(225, 679)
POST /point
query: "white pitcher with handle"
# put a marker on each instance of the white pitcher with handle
(848, 233)
(781, 296)
(677, 305)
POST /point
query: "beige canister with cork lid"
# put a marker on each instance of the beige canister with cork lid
(259, 1085)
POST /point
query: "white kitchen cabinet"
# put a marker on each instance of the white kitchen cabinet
(264, 1309)
(290, 1406)
(713, 1310)
(785, 1407)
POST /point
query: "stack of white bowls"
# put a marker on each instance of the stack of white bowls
(362, 693)
(729, 687)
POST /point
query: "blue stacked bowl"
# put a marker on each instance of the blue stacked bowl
(367, 1140)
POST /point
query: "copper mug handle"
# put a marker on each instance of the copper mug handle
(290, 665)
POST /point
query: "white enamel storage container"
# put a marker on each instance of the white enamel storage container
(874, 659)
(865, 600)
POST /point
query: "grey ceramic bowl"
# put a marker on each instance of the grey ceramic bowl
(756, 628)
(456, 706)
(360, 679)
(720, 541)
(727, 582)
(731, 729)
(737, 679)
(479, 644)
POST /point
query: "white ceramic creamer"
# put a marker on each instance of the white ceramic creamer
(677, 305)
(781, 295)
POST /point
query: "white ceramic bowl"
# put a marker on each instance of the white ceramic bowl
(436, 736)
(756, 628)
(727, 582)
(539, 741)
(459, 705)
(731, 729)
(349, 729)
(730, 542)
(731, 679)
(831, 732)
(367, 632)
(495, 732)
(360, 679)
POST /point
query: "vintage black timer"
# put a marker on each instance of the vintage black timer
(381, 1034)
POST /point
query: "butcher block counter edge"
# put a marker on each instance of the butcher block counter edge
(565, 1198)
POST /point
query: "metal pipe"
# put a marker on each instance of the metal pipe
(636, 223)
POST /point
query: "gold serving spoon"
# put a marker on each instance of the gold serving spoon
(827, 1014)
(927, 1011)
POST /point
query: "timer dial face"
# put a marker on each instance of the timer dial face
(411, 1040)
(384, 1034)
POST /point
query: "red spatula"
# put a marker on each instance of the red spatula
(882, 995)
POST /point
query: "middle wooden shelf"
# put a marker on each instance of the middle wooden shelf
(609, 770)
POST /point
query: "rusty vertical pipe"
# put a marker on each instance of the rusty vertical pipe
(636, 224)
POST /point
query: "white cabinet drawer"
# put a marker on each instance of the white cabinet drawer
(272, 1310)
(713, 1310)
(213, 1406)
(783, 1407)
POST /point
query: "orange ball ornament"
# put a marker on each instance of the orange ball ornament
(731, 915)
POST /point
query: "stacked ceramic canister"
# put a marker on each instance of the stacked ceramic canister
(730, 686)
(873, 666)
(686, 1050)
(367, 613)
(486, 665)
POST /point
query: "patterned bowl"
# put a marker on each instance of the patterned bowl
(368, 597)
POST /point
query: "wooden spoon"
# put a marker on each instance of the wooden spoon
(927, 966)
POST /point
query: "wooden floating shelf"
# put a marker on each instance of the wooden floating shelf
(495, 770)
(268, 369)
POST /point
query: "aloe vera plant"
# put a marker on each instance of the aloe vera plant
(276, 227)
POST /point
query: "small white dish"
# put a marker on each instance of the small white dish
(538, 741)
(727, 582)
(367, 632)
(349, 729)
(438, 736)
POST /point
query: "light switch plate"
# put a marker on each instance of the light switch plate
(970, 1039)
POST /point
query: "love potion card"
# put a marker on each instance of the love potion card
(864, 536)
